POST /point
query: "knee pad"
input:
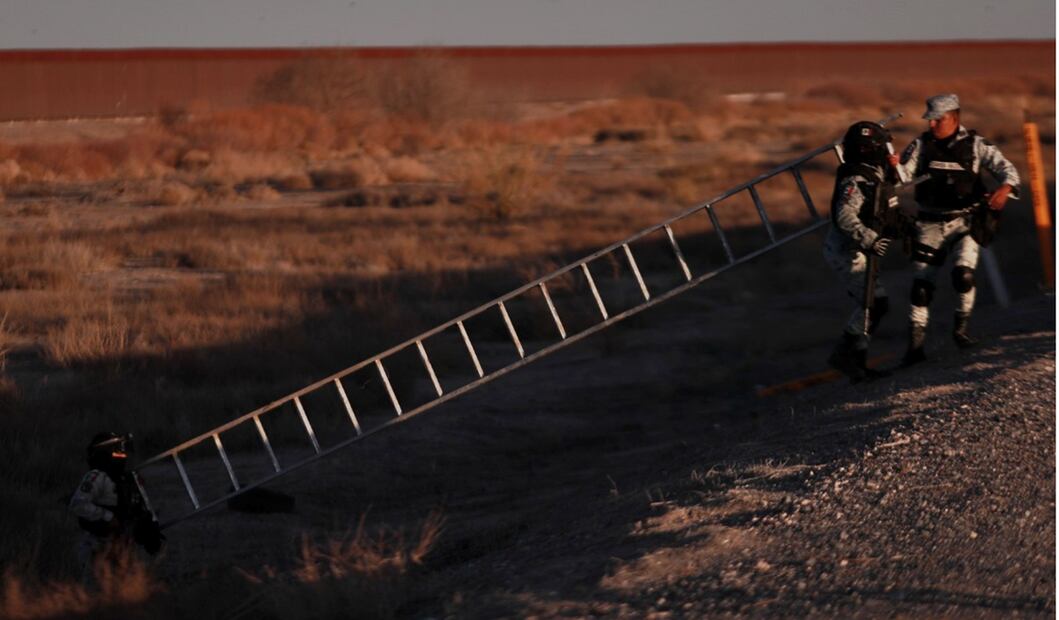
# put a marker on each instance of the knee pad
(962, 279)
(922, 292)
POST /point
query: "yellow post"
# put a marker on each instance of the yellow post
(1041, 211)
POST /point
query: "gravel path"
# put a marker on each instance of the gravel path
(929, 494)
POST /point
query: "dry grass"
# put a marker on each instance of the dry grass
(122, 582)
(361, 575)
(164, 320)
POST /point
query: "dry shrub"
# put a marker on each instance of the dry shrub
(267, 128)
(262, 192)
(325, 84)
(358, 172)
(409, 170)
(355, 576)
(667, 82)
(123, 582)
(295, 182)
(28, 263)
(145, 152)
(231, 166)
(402, 136)
(173, 194)
(9, 172)
(88, 339)
(502, 182)
(426, 87)
(637, 112)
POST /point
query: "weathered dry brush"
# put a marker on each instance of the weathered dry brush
(142, 288)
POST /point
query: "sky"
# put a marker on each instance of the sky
(44, 24)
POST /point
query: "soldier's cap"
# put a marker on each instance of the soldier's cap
(938, 105)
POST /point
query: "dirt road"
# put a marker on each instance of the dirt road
(637, 475)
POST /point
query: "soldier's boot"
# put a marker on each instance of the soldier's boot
(959, 331)
(870, 374)
(844, 358)
(917, 338)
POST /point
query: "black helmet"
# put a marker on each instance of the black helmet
(108, 452)
(866, 142)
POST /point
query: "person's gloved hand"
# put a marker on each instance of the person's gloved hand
(880, 246)
(999, 198)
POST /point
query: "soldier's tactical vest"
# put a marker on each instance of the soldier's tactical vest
(953, 184)
(878, 195)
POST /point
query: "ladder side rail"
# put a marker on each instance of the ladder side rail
(511, 367)
(371, 360)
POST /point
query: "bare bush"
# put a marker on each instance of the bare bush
(325, 84)
(502, 182)
(427, 87)
(666, 82)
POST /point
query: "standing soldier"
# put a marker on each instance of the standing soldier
(956, 214)
(863, 198)
(108, 505)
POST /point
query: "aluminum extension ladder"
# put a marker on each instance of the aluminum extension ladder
(239, 485)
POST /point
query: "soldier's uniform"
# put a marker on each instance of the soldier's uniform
(849, 239)
(95, 504)
(863, 192)
(946, 201)
(109, 506)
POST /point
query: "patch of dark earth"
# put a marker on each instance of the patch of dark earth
(927, 494)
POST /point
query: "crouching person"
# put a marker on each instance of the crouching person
(863, 195)
(109, 507)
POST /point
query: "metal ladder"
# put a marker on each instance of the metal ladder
(334, 383)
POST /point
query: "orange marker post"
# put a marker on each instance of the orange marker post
(1041, 210)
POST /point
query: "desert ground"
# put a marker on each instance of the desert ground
(163, 274)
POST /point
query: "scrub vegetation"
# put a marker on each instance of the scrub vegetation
(195, 265)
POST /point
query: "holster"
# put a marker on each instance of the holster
(985, 223)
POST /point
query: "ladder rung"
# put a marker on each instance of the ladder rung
(555, 315)
(268, 444)
(305, 422)
(805, 193)
(227, 463)
(679, 254)
(389, 388)
(349, 408)
(187, 483)
(761, 212)
(636, 271)
(430, 369)
(595, 291)
(470, 348)
(511, 330)
(720, 233)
